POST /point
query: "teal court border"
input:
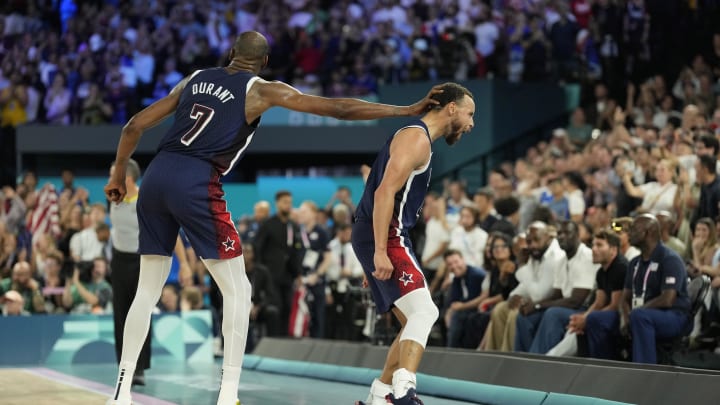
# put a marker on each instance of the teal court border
(473, 392)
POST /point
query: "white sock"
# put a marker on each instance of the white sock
(229, 274)
(378, 391)
(124, 383)
(402, 381)
(229, 385)
(154, 270)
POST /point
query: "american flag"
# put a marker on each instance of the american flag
(44, 218)
(299, 314)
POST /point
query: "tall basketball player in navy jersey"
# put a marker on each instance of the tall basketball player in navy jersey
(216, 114)
(389, 208)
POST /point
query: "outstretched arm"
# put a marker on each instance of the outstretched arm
(409, 150)
(279, 94)
(130, 136)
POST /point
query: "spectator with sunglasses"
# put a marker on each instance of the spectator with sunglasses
(622, 226)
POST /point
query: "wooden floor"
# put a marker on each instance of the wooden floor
(22, 387)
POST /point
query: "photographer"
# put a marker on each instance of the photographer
(87, 291)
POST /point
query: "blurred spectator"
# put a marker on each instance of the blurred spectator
(468, 238)
(709, 204)
(465, 296)
(265, 312)
(508, 210)
(12, 209)
(13, 102)
(261, 211)
(26, 286)
(484, 200)
(316, 259)
(343, 195)
(57, 101)
(169, 300)
(437, 235)
(95, 110)
(667, 226)
(191, 299)
(13, 304)
(86, 245)
(87, 292)
(579, 131)
(622, 227)
(343, 273)
(277, 246)
(541, 327)
(535, 280)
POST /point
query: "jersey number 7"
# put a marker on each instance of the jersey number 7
(202, 115)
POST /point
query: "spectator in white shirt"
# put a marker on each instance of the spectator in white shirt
(437, 236)
(535, 280)
(85, 245)
(657, 195)
(468, 238)
(542, 326)
(575, 186)
(343, 272)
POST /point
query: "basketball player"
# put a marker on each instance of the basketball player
(394, 194)
(216, 114)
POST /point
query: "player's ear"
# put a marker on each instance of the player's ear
(452, 107)
(265, 61)
(231, 55)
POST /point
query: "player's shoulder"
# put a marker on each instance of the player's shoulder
(413, 136)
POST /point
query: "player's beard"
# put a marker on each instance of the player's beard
(455, 133)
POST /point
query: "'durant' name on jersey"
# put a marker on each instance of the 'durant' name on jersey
(210, 89)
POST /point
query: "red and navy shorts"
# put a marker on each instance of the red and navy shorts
(407, 275)
(183, 191)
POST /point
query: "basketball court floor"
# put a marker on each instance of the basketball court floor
(169, 384)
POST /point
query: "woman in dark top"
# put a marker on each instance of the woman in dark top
(497, 286)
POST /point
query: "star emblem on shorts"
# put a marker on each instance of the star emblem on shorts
(406, 278)
(229, 244)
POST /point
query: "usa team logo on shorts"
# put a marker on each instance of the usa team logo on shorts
(406, 279)
(229, 244)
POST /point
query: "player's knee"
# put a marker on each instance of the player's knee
(421, 314)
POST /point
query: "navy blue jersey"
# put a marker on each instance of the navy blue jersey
(408, 200)
(210, 119)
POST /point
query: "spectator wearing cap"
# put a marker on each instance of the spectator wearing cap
(485, 204)
(575, 187)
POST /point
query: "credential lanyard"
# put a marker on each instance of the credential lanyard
(647, 274)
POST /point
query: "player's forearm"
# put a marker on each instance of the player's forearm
(354, 109)
(129, 139)
(382, 213)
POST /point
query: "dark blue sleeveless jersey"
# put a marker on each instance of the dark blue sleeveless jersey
(408, 200)
(210, 119)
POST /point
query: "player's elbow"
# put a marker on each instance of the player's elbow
(132, 128)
